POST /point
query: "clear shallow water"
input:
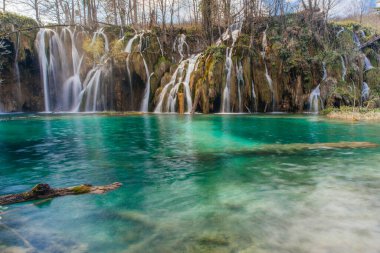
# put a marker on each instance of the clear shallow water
(187, 187)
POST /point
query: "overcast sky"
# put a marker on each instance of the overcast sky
(344, 7)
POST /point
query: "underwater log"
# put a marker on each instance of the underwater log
(44, 191)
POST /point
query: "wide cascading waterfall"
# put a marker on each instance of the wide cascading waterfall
(179, 44)
(365, 92)
(60, 72)
(240, 83)
(344, 69)
(315, 95)
(170, 90)
(93, 97)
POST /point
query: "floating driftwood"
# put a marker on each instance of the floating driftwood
(44, 191)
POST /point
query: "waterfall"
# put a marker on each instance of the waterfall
(344, 69)
(175, 82)
(240, 79)
(60, 71)
(315, 95)
(145, 102)
(365, 92)
(315, 99)
(367, 63)
(340, 31)
(226, 92)
(254, 96)
(179, 44)
(362, 33)
(267, 75)
(90, 99)
(128, 50)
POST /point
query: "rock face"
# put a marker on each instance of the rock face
(269, 68)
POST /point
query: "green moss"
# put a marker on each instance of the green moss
(81, 189)
(217, 52)
(9, 20)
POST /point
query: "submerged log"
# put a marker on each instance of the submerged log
(44, 191)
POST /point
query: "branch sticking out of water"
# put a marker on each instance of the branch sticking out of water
(44, 191)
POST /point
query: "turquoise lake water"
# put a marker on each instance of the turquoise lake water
(189, 184)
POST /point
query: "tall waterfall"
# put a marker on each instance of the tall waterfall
(240, 79)
(93, 98)
(168, 95)
(267, 75)
(128, 50)
(234, 30)
(227, 89)
(145, 102)
(254, 96)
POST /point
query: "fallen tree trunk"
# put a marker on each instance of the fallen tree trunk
(44, 191)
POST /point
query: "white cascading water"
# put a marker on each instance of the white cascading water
(315, 100)
(240, 79)
(267, 75)
(254, 96)
(176, 81)
(226, 108)
(367, 63)
(128, 50)
(90, 98)
(145, 101)
(344, 69)
(178, 45)
(365, 92)
(159, 43)
(59, 71)
(234, 30)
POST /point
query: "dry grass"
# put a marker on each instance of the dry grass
(371, 21)
(355, 116)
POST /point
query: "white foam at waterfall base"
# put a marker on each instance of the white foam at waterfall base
(176, 80)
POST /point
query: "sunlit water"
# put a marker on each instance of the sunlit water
(187, 187)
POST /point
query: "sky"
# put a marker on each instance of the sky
(344, 7)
